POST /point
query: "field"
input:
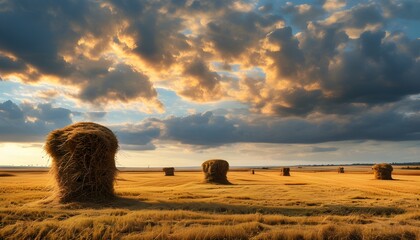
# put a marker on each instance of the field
(313, 203)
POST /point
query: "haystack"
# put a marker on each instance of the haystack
(83, 161)
(252, 171)
(285, 171)
(382, 171)
(169, 171)
(215, 171)
(340, 170)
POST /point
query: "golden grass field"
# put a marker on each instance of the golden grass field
(313, 203)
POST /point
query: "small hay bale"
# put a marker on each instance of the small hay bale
(215, 171)
(285, 171)
(252, 172)
(169, 171)
(340, 170)
(83, 162)
(382, 171)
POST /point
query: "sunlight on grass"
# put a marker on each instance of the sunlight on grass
(262, 206)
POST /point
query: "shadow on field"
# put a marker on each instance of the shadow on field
(6, 175)
(340, 210)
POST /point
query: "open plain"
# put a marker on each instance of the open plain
(313, 203)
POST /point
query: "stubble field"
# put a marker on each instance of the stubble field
(313, 203)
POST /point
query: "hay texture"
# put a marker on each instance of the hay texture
(83, 161)
(169, 171)
(215, 171)
(340, 170)
(285, 171)
(382, 171)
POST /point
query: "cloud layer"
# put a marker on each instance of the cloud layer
(308, 73)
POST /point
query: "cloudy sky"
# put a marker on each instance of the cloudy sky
(254, 82)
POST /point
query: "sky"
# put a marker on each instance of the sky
(257, 82)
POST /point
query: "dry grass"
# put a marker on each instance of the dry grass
(383, 171)
(285, 171)
(83, 163)
(215, 171)
(169, 171)
(307, 205)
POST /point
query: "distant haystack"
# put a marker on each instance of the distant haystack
(83, 161)
(215, 171)
(169, 171)
(340, 170)
(285, 171)
(382, 171)
(252, 171)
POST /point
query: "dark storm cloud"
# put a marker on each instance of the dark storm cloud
(157, 35)
(372, 69)
(303, 13)
(42, 34)
(203, 83)
(29, 122)
(359, 16)
(141, 134)
(30, 40)
(236, 31)
(407, 9)
(122, 82)
(208, 129)
(324, 149)
(48, 114)
(289, 60)
(341, 63)
(200, 129)
(376, 71)
(9, 65)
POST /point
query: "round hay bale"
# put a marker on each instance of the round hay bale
(83, 161)
(215, 171)
(340, 170)
(169, 171)
(382, 171)
(285, 171)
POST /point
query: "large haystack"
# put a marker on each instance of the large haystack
(215, 171)
(285, 171)
(382, 171)
(340, 170)
(169, 171)
(83, 161)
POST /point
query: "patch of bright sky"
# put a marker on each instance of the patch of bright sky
(18, 92)
(220, 66)
(174, 106)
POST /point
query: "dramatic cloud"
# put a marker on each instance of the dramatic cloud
(201, 83)
(307, 72)
(120, 82)
(31, 123)
(392, 122)
(27, 122)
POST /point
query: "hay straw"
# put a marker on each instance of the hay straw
(382, 171)
(215, 171)
(285, 171)
(169, 171)
(83, 161)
